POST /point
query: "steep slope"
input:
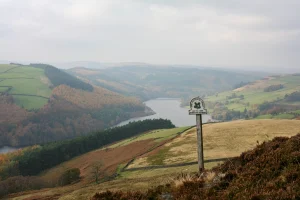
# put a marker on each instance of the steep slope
(146, 81)
(40, 103)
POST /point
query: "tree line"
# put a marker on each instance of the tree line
(272, 88)
(59, 77)
(35, 160)
(295, 96)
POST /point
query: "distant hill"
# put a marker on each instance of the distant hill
(148, 82)
(40, 103)
(270, 97)
(88, 64)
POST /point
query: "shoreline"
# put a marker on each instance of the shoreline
(147, 112)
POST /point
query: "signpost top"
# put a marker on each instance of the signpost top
(197, 106)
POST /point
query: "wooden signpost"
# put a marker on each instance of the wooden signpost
(197, 107)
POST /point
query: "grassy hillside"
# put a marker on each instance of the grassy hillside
(28, 85)
(269, 171)
(31, 86)
(220, 140)
(113, 156)
(254, 92)
(151, 81)
(40, 103)
(273, 90)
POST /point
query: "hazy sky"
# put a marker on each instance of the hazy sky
(201, 32)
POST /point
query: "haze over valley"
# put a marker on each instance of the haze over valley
(100, 99)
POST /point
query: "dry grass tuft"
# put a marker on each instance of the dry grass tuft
(209, 176)
(183, 178)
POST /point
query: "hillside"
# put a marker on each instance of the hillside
(29, 86)
(40, 103)
(221, 140)
(270, 171)
(167, 151)
(148, 82)
(271, 97)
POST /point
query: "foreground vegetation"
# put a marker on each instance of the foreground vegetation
(270, 171)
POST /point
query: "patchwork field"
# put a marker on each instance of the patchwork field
(254, 93)
(221, 140)
(28, 85)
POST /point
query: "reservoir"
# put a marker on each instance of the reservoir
(167, 108)
(164, 108)
(7, 149)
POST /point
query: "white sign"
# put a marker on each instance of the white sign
(197, 106)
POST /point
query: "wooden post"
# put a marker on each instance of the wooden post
(197, 107)
(200, 142)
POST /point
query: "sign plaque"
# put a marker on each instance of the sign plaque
(197, 106)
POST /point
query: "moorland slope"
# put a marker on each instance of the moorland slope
(221, 140)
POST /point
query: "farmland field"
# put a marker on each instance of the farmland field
(28, 85)
(30, 102)
(5, 67)
(254, 93)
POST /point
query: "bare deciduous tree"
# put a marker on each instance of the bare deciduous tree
(97, 171)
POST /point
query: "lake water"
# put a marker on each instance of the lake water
(169, 109)
(7, 149)
(164, 108)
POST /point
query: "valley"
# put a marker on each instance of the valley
(164, 108)
(151, 81)
(149, 100)
(87, 121)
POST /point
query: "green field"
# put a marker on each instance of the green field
(29, 85)
(264, 117)
(5, 67)
(279, 116)
(254, 93)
